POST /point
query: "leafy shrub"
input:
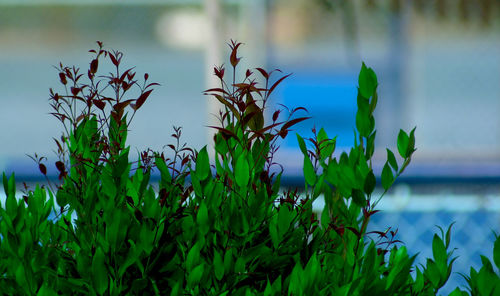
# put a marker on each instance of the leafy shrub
(229, 231)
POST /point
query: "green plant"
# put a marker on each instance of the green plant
(229, 231)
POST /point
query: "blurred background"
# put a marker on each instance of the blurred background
(437, 62)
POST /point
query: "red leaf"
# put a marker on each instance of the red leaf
(217, 90)
(42, 168)
(138, 215)
(120, 106)
(75, 90)
(233, 58)
(146, 76)
(248, 73)
(293, 122)
(113, 59)
(225, 131)
(93, 66)
(263, 72)
(130, 200)
(142, 98)
(116, 116)
(60, 166)
(275, 115)
(219, 72)
(276, 84)
(241, 105)
(99, 104)
(62, 77)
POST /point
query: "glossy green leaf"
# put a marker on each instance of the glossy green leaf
(273, 231)
(195, 275)
(302, 144)
(411, 143)
(239, 266)
(202, 219)
(202, 164)
(392, 160)
(370, 183)
(496, 252)
(228, 261)
(193, 256)
(162, 167)
(242, 171)
(367, 81)
(99, 273)
(46, 290)
(218, 265)
(309, 173)
(363, 122)
(322, 135)
(403, 141)
(358, 197)
(285, 217)
(387, 177)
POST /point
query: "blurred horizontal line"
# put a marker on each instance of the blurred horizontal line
(107, 2)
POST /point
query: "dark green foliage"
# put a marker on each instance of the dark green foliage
(230, 231)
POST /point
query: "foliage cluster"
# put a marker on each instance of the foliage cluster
(220, 229)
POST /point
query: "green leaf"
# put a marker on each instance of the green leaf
(46, 290)
(387, 177)
(202, 164)
(242, 171)
(239, 266)
(195, 275)
(218, 265)
(403, 141)
(370, 182)
(302, 144)
(193, 257)
(392, 160)
(367, 81)
(162, 167)
(363, 122)
(273, 231)
(439, 253)
(228, 260)
(99, 273)
(322, 135)
(358, 197)
(284, 220)
(411, 143)
(202, 219)
(309, 173)
(496, 252)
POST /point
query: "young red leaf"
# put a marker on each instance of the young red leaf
(293, 122)
(62, 77)
(93, 66)
(142, 98)
(276, 84)
(233, 58)
(113, 59)
(217, 90)
(42, 168)
(120, 106)
(263, 72)
(75, 90)
(60, 166)
(275, 115)
(99, 104)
